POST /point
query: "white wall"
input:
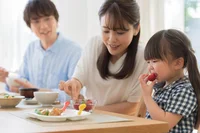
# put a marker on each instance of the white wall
(174, 14)
(78, 19)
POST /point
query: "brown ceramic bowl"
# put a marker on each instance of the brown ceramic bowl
(28, 92)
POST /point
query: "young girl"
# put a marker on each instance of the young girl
(176, 96)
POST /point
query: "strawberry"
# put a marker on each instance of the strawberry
(76, 105)
(89, 105)
(89, 101)
(152, 77)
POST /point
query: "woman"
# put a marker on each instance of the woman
(111, 64)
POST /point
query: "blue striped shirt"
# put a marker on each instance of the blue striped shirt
(45, 68)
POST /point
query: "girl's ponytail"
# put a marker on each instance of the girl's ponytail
(194, 77)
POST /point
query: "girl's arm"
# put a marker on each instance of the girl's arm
(154, 110)
(157, 113)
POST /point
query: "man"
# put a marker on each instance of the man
(51, 58)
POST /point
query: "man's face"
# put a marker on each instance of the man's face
(44, 27)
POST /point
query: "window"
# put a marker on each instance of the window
(192, 24)
(185, 16)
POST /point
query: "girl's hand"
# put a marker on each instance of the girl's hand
(71, 87)
(147, 87)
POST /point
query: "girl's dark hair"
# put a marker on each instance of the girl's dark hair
(39, 8)
(120, 11)
(176, 44)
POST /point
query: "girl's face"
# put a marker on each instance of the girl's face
(118, 40)
(166, 71)
(44, 27)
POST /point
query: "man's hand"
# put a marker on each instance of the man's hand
(24, 83)
(3, 74)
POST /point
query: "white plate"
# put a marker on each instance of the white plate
(69, 114)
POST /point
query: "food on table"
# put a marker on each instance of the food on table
(49, 112)
(8, 96)
(52, 112)
(42, 111)
(88, 102)
(152, 77)
(81, 108)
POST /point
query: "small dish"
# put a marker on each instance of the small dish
(69, 114)
(45, 98)
(90, 104)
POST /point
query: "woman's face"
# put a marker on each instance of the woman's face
(117, 40)
(44, 27)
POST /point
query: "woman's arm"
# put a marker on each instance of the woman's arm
(127, 108)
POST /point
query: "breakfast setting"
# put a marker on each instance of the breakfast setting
(46, 104)
(99, 66)
(44, 109)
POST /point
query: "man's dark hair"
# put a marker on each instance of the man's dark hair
(39, 8)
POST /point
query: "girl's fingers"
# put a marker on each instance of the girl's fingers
(143, 79)
(152, 84)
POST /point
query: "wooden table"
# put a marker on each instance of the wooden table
(13, 124)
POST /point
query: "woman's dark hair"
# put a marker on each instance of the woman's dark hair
(39, 8)
(176, 44)
(120, 11)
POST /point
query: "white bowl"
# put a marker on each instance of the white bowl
(10, 102)
(10, 80)
(46, 98)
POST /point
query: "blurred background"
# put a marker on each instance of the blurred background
(79, 21)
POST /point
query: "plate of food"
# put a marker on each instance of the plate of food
(57, 114)
(9, 101)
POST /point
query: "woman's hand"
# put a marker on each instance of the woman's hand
(147, 87)
(71, 87)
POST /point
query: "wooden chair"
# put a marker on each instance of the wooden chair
(141, 111)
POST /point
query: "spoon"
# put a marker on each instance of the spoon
(81, 108)
(65, 106)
